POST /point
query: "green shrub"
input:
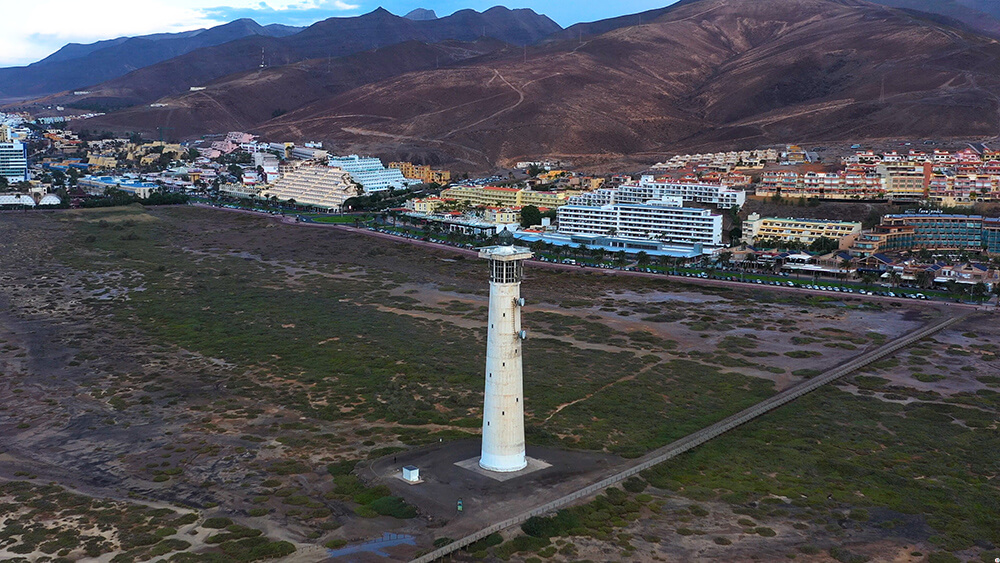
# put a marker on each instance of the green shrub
(338, 543)
(520, 543)
(634, 485)
(368, 496)
(217, 522)
(184, 519)
(859, 514)
(485, 543)
(845, 556)
(803, 353)
(342, 467)
(441, 542)
(395, 507)
(546, 527)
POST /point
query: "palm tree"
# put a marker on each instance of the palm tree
(845, 265)
(642, 258)
(924, 278)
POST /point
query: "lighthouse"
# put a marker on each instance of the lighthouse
(503, 404)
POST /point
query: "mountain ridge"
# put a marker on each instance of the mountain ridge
(330, 38)
(76, 66)
(701, 74)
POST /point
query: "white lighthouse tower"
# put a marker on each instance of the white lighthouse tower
(503, 406)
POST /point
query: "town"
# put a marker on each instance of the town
(690, 211)
(714, 280)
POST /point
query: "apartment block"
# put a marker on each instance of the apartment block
(316, 186)
(932, 231)
(649, 187)
(13, 161)
(496, 196)
(425, 174)
(663, 220)
(806, 231)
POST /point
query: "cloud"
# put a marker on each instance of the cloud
(34, 29)
(297, 12)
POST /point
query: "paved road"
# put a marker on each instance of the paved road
(700, 437)
(615, 272)
(290, 220)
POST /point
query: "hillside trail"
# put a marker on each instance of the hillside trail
(520, 99)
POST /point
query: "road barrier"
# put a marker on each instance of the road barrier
(697, 438)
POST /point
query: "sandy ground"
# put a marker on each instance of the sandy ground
(60, 352)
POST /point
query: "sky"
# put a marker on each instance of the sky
(31, 30)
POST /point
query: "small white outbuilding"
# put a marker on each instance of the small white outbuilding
(411, 473)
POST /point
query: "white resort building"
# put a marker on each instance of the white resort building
(370, 173)
(316, 186)
(648, 187)
(663, 220)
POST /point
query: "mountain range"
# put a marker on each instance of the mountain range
(155, 66)
(76, 66)
(485, 89)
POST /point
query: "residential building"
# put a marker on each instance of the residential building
(950, 189)
(853, 183)
(239, 137)
(779, 183)
(423, 173)
(18, 201)
(13, 159)
(99, 161)
(505, 197)
(649, 187)
(370, 173)
(96, 185)
(502, 215)
(662, 220)
(239, 190)
(317, 186)
(932, 231)
(426, 205)
(905, 181)
(269, 164)
(806, 231)
(308, 153)
(720, 161)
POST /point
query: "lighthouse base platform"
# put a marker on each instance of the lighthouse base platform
(472, 464)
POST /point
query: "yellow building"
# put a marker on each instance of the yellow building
(551, 175)
(98, 161)
(502, 215)
(494, 196)
(426, 205)
(423, 173)
(806, 231)
(905, 180)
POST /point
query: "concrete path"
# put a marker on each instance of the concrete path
(700, 437)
